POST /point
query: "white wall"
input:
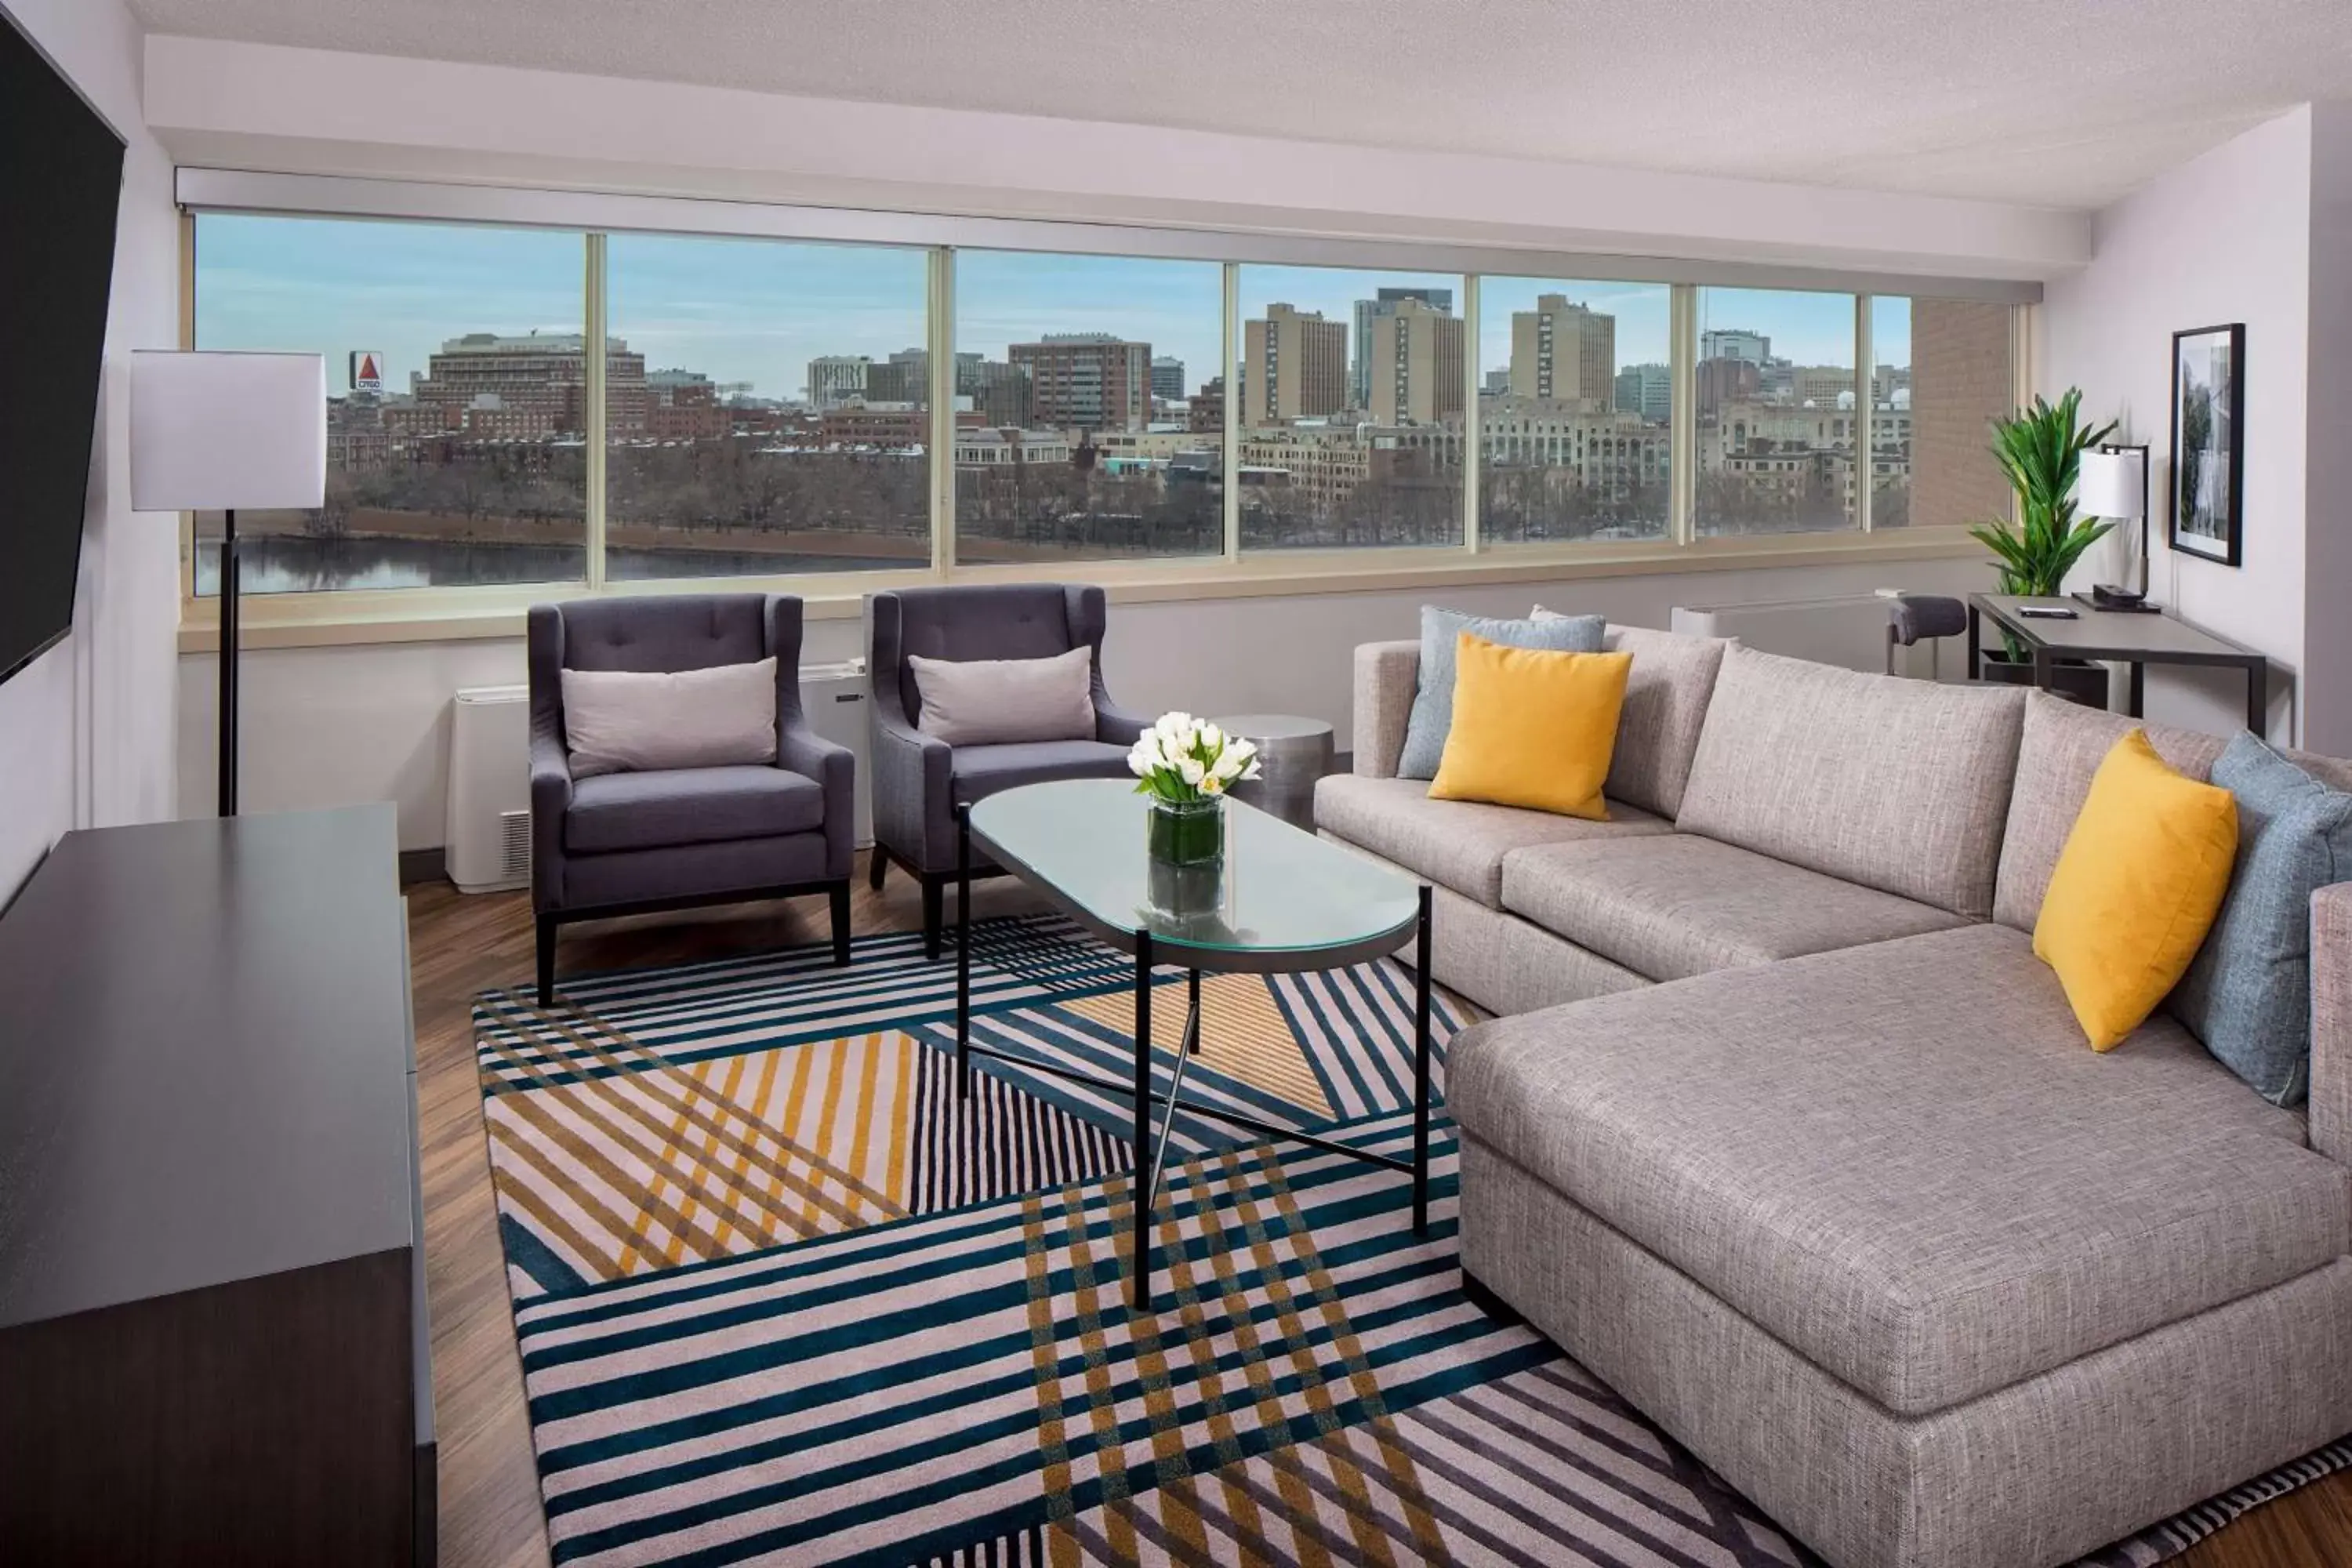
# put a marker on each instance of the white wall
(2227, 238)
(87, 731)
(2327, 701)
(327, 726)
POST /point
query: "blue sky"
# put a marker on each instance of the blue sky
(759, 311)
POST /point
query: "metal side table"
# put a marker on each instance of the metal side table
(1294, 753)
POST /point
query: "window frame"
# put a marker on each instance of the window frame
(496, 610)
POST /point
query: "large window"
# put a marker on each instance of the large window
(456, 418)
(767, 408)
(1090, 413)
(1776, 418)
(1575, 410)
(1353, 387)
(773, 409)
(1944, 373)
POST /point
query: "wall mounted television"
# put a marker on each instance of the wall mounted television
(60, 183)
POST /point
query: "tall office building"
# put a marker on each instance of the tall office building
(997, 390)
(1384, 302)
(1293, 366)
(1087, 381)
(1647, 390)
(1168, 378)
(835, 379)
(904, 377)
(1564, 351)
(1733, 343)
(1416, 365)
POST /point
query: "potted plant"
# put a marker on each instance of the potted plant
(2040, 449)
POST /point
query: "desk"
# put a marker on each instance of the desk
(2137, 640)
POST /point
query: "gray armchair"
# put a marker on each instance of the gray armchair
(627, 843)
(919, 780)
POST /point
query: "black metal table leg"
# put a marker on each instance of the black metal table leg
(1421, 1069)
(1192, 1028)
(963, 951)
(1146, 1156)
(2136, 690)
(2258, 698)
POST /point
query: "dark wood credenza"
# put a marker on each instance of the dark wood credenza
(212, 1336)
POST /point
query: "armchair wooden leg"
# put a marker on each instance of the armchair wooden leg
(839, 893)
(933, 921)
(547, 960)
(878, 866)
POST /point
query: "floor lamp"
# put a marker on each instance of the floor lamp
(216, 432)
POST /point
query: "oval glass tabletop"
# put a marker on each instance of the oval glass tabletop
(1279, 892)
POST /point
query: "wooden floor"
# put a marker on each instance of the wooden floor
(489, 1489)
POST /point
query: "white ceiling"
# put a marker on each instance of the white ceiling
(2057, 102)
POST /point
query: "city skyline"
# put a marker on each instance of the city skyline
(755, 313)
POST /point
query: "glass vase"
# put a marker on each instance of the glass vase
(1188, 832)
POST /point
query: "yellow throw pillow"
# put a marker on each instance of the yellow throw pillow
(1532, 727)
(2135, 888)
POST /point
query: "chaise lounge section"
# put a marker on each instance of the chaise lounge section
(1821, 1172)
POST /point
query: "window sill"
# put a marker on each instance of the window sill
(449, 615)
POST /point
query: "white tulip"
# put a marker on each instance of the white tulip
(1229, 766)
(1190, 771)
(1212, 739)
(1213, 787)
(1172, 727)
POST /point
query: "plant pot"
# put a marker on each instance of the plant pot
(2074, 679)
(1188, 832)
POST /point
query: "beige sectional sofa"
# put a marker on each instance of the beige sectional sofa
(1846, 1203)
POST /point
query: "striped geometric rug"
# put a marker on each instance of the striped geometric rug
(782, 1298)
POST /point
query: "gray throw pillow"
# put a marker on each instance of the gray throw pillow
(638, 721)
(1000, 701)
(2248, 995)
(1431, 719)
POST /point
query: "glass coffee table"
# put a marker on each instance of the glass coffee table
(1282, 901)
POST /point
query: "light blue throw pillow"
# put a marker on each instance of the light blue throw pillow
(1432, 718)
(2248, 995)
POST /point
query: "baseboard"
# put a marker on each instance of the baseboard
(424, 866)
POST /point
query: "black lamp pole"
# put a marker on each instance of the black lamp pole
(228, 663)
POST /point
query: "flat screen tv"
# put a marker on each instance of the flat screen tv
(60, 181)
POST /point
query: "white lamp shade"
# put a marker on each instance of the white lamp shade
(2112, 484)
(216, 432)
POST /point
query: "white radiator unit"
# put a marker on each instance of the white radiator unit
(489, 789)
(1849, 630)
(834, 697)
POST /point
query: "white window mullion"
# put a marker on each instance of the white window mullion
(1681, 436)
(1865, 388)
(941, 340)
(1231, 369)
(592, 371)
(1471, 539)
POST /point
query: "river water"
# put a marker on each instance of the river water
(279, 564)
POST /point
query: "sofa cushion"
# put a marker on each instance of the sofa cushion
(1666, 697)
(2059, 752)
(978, 771)
(1671, 907)
(690, 805)
(1901, 786)
(1900, 1162)
(1457, 844)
